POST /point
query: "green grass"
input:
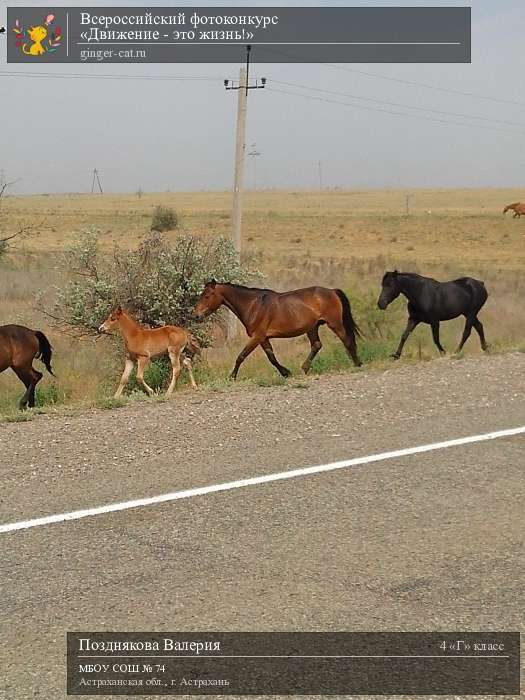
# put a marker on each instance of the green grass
(110, 403)
(52, 394)
(20, 417)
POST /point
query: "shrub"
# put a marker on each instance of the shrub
(159, 283)
(164, 219)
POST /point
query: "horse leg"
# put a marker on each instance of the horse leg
(435, 336)
(125, 377)
(467, 331)
(347, 341)
(30, 378)
(247, 350)
(479, 328)
(24, 377)
(36, 377)
(175, 368)
(315, 342)
(267, 347)
(142, 363)
(187, 363)
(411, 324)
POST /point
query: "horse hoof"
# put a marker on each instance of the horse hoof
(395, 356)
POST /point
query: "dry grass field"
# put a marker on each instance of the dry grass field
(336, 238)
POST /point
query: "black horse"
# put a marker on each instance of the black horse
(430, 302)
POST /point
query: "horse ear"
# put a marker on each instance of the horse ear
(119, 309)
(213, 283)
(395, 273)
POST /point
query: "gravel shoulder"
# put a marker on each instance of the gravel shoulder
(428, 542)
(53, 464)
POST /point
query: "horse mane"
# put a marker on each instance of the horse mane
(247, 289)
(417, 276)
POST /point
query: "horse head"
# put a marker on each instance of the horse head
(111, 321)
(390, 289)
(209, 301)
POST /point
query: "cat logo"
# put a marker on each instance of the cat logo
(38, 40)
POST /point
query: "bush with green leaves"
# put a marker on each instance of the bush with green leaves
(158, 283)
(164, 219)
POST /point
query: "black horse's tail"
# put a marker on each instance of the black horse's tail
(350, 325)
(45, 350)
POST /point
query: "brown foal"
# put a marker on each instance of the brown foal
(143, 343)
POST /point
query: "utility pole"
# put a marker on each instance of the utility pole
(240, 148)
(238, 176)
(254, 153)
(320, 169)
(96, 181)
(408, 196)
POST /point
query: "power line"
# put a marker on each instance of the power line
(403, 81)
(427, 86)
(398, 114)
(106, 76)
(377, 76)
(397, 104)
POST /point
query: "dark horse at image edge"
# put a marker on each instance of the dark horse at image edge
(267, 314)
(430, 301)
(19, 346)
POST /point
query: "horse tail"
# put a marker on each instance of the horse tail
(349, 324)
(484, 292)
(193, 345)
(45, 350)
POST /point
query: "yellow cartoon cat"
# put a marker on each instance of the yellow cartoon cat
(37, 36)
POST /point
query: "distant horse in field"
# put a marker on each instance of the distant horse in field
(19, 346)
(430, 302)
(267, 314)
(143, 343)
(518, 208)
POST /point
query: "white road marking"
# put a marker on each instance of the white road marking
(255, 480)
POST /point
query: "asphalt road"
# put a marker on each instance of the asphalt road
(425, 542)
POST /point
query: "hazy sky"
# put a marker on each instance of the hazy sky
(179, 135)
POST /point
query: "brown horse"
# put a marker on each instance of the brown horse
(267, 314)
(143, 343)
(518, 208)
(19, 346)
